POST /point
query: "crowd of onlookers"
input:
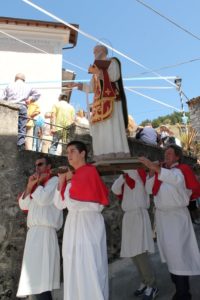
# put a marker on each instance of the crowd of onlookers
(162, 136)
(37, 130)
(47, 132)
(44, 137)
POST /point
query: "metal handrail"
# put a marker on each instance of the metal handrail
(28, 118)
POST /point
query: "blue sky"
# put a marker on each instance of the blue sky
(137, 32)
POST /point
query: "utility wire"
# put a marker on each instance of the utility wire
(169, 20)
(78, 80)
(170, 66)
(89, 36)
(150, 87)
(149, 78)
(83, 69)
(108, 46)
(153, 99)
(40, 50)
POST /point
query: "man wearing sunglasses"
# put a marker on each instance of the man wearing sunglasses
(40, 272)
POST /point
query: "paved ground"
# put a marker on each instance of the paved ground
(123, 279)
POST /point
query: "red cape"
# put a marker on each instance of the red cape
(191, 181)
(131, 182)
(86, 185)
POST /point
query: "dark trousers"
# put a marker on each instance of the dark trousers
(42, 296)
(182, 287)
(22, 120)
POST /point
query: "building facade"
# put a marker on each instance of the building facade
(34, 48)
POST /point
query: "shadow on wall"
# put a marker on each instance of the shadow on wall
(15, 168)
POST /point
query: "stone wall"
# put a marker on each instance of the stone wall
(15, 168)
(194, 108)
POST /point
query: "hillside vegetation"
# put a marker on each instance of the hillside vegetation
(171, 119)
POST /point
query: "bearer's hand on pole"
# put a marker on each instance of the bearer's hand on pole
(152, 166)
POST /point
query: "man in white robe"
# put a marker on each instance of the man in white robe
(137, 241)
(109, 138)
(40, 272)
(84, 248)
(175, 234)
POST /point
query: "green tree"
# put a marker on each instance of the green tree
(174, 118)
(145, 122)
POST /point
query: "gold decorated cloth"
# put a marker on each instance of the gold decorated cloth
(104, 96)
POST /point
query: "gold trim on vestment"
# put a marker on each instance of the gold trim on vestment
(102, 109)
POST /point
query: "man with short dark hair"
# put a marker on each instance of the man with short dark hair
(84, 194)
(173, 184)
(20, 93)
(40, 272)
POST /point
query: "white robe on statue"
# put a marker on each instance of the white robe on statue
(136, 227)
(109, 136)
(175, 234)
(41, 260)
(84, 249)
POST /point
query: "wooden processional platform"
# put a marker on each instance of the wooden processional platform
(109, 166)
(117, 166)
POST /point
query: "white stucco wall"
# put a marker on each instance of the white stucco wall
(42, 70)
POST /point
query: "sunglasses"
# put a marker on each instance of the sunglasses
(39, 164)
